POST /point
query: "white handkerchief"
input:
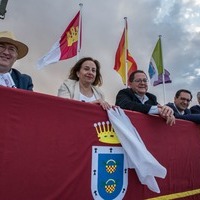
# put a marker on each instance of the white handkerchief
(139, 158)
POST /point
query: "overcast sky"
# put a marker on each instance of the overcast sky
(40, 24)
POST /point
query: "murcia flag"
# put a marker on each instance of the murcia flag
(66, 47)
(156, 68)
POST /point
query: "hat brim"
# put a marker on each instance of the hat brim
(22, 49)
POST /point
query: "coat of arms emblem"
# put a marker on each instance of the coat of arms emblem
(109, 178)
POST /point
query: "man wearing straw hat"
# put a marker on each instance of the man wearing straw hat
(10, 51)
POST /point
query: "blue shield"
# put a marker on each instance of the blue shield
(109, 173)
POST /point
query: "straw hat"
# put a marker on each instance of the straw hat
(9, 38)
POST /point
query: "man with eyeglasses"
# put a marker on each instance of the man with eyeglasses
(180, 106)
(181, 102)
(10, 51)
(137, 98)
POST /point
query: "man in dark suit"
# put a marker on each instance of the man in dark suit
(181, 103)
(137, 98)
(196, 108)
(10, 51)
(180, 106)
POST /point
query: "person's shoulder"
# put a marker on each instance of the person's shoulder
(195, 109)
(170, 104)
(195, 106)
(125, 90)
(19, 74)
(96, 87)
(69, 82)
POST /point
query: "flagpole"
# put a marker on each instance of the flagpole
(163, 71)
(79, 33)
(125, 51)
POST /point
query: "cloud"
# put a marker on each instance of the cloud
(164, 10)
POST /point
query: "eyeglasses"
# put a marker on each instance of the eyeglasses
(145, 80)
(184, 99)
(11, 49)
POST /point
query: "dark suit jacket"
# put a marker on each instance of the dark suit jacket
(126, 99)
(195, 109)
(171, 105)
(187, 116)
(22, 81)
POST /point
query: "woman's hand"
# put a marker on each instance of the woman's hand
(104, 104)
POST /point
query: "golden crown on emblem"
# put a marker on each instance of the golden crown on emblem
(106, 133)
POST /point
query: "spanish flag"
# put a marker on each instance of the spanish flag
(67, 46)
(124, 62)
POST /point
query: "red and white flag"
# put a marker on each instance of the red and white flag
(67, 46)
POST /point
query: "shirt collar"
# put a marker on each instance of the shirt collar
(181, 113)
(143, 99)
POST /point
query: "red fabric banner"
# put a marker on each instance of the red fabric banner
(46, 150)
